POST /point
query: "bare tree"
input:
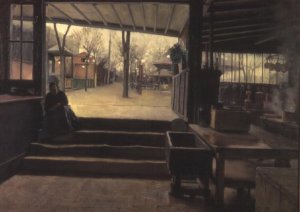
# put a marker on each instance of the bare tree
(91, 40)
(61, 47)
(248, 67)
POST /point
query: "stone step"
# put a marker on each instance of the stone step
(95, 166)
(98, 150)
(113, 138)
(125, 124)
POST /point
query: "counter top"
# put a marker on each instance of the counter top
(256, 138)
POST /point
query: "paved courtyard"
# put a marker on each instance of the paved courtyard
(107, 102)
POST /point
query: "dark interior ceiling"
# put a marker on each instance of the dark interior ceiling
(238, 25)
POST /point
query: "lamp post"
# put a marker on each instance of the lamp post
(86, 61)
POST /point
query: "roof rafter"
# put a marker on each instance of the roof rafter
(156, 7)
(239, 28)
(100, 14)
(242, 4)
(62, 12)
(236, 38)
(95, 24)
(131, 16)
(81, 13)
(144, 16)
(117, 15)
(172, 9)
(241, 32)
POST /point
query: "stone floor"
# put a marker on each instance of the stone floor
(107, 102)
(26, 193)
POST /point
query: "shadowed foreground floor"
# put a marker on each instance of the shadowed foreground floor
(27, 193)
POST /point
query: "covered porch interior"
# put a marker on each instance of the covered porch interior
(208, 31)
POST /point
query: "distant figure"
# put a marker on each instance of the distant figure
(59, 118)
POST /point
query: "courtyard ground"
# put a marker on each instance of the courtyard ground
(107, 102)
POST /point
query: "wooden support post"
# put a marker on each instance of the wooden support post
(254, 68)
(195, 58)
(223, 66)
(262, 68)
(39, 53)
(239, 68)
(246, 67)
(126, 47)
(231, 68)
(211, 38)
(4, 47)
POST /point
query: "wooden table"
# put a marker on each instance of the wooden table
(257, 144)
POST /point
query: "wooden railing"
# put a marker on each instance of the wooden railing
(180, 94)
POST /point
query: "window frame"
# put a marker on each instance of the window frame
(21, 42)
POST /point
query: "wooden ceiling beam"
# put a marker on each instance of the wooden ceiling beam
(240, 22)
(172, 9)
(81, 13)
(219, 30)
(156, 7)
(144, 16)
(62, 12)
(237, 38)
(241, 14)
(99, 24)
(243, 4)
(268, 30)
(131, 16)
(117, 15)
(100, 14)
(122, 1)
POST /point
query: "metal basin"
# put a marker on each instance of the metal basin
(187, 154)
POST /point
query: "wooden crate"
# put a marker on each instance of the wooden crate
(276, 190)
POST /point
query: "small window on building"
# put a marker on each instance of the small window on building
(21, 42)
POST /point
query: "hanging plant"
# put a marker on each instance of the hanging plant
(176, 53)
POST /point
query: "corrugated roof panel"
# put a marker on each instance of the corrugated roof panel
(53, 13)
(123, 12)
(149, 14)
(137, 13)
(69, 10)
(108, 13)
(180, 17)
(163, 15)
(89, 11)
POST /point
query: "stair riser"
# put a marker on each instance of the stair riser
(102, 152)
(125, 125)
(116, 139)
(98, 168)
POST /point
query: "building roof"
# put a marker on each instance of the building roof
(164, 64)
(54, 51)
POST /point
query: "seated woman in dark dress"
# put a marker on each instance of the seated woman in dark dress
(57, 119)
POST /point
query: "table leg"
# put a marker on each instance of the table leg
(176, 186)
(220, 174)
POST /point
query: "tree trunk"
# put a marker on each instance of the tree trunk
(61, 47)
(126, 47)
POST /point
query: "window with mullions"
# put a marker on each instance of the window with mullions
(21, 42)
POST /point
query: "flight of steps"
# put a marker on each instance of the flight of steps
(104, 147)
